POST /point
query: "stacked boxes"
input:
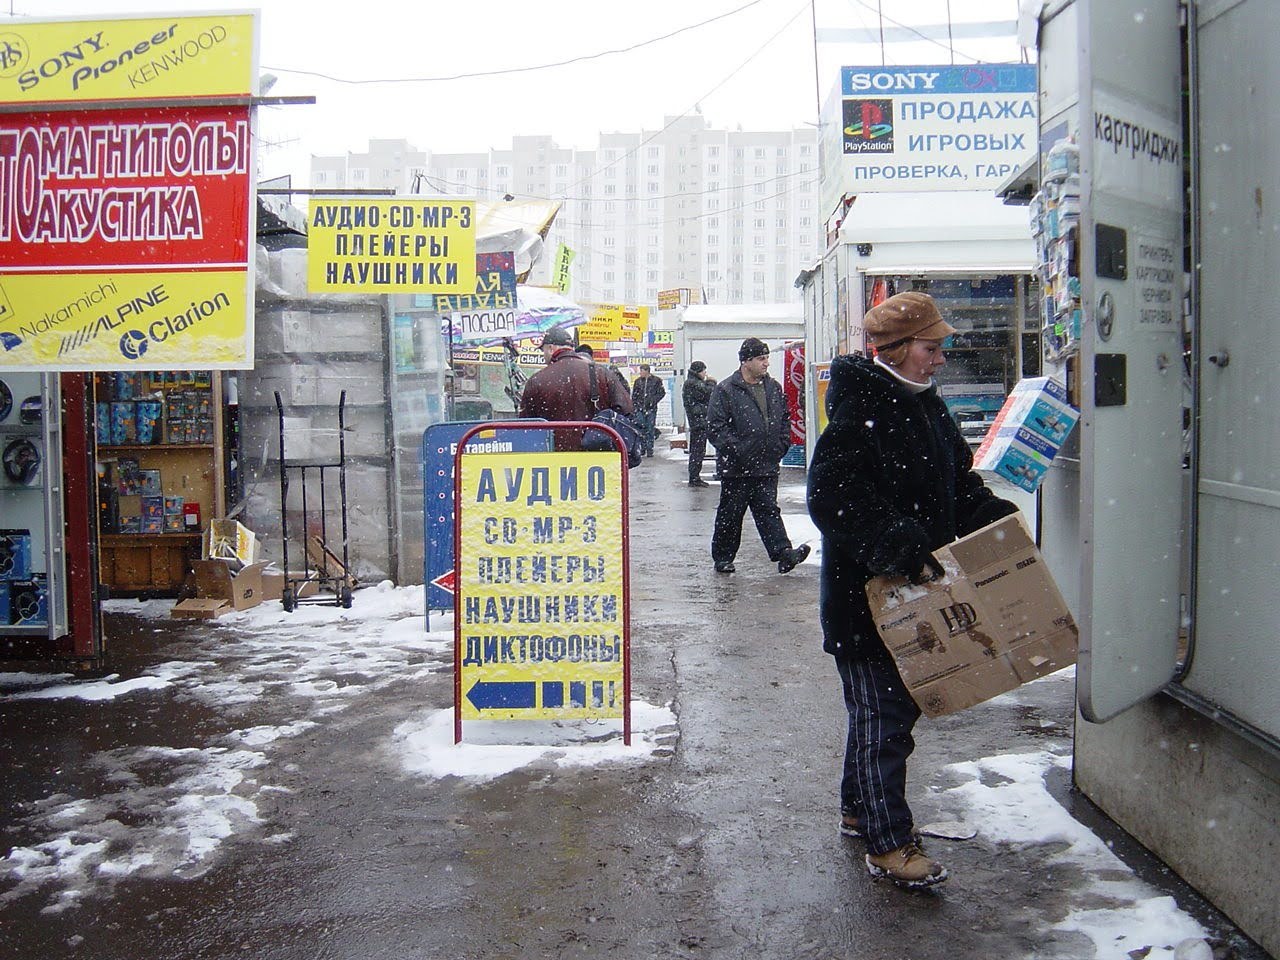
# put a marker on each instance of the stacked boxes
(23, 594)
(1030, 428)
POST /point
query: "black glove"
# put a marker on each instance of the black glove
(903, 551)
(988, 512)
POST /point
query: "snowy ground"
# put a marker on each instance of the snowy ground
(171, 812)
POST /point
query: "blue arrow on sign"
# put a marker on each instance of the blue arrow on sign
(488, 695)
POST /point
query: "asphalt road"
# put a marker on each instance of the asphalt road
(724, 846)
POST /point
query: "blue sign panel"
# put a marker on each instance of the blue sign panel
(439, 444)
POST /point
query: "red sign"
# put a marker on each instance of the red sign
(160, 188)
(447, 581)
(793, 389)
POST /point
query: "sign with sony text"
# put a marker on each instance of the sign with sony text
(928, 128)
(124, 238)
(131, 58)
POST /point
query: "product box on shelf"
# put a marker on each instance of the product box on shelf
(15, 554)
(29, 602)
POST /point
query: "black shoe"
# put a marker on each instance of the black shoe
(698, 482)
(793, 558)
(724, 566)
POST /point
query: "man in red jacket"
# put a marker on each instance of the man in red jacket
(562, 389)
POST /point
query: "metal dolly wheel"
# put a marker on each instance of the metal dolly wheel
(329, 571)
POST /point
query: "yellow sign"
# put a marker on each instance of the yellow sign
(62, 61)
(613, 322)
(128, 321)
(561, 279)
(541, 622)
(401, 245)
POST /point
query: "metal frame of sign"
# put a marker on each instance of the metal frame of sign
(458, 552)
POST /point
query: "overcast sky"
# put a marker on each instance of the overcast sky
(754, 67)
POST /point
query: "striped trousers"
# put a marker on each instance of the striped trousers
(881, 717)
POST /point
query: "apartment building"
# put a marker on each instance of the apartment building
(733, 213)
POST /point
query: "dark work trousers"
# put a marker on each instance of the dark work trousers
(697, 447)
(645, 420)
(736, 495)
(874, 785)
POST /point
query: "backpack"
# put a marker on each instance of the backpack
(598, 440)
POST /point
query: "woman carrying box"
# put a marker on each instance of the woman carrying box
(891, 481)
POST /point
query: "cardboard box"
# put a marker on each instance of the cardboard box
(200, 608)
(216, 580)
(1030, 428)
(995, 621)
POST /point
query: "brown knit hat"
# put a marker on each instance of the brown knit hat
(905, 316)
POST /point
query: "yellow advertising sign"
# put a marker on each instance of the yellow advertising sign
(127, 320)
(541, 618)
(561, 279)
(400, 245)
(135, 58)
(612, 322)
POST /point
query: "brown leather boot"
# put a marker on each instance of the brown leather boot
(907, 867)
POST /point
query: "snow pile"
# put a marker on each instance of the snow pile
(1007, 801)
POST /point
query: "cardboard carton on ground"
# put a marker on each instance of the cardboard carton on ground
(273, 582)
(200, 608)
(1030, 428)
(995, 621)
(242, 589)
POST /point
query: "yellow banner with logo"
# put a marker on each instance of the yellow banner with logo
(135, 58)
(126, 321)
(564, 258)
(540, 602)
(405, 245)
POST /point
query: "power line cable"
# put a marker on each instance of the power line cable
(529, 69)
(949, 48)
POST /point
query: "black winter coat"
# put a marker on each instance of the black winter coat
(748, 443)
(891, 476)
(696, 395)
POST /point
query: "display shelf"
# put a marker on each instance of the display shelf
(112, 447)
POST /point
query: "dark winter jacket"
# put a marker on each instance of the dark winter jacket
(647, 392)
(562, 391)
(891, 480)
(748, 443)
(696, 395)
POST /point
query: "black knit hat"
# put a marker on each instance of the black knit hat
(697, 366)
(752, 348)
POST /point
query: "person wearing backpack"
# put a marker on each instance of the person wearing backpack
(562, 390)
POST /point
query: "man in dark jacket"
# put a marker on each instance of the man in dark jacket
(647, 392)
(747, 421)
(562, 389)
(891, 481)
(696, 395)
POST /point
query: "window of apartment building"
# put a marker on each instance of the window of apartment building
(738, 153)
(608, 276)
(650, 258)
(759, 153)
(712, 240)
(460, 175)
(782, 151)
(321, 178)
(652, 170)
(713, 168)
(757, 258)
(651, 152)
(653, 240)
(609, 241)
(504, 172)
(737, 170)
(651, 294)
(806, 203)
(358, 175)
(759, 171)
(805, 149)
(651, 276)
(713, 258)
(713, 151)
(562, 188)
(759, 206)
(608, 259)
(608, 206)
(631, 278)
(713, 275)
(758, 241)
(758, 223)
(610, 189)
(608, 155)
(782, 223)
(562, 170)
(713, 223)
(713, 203)
(653, 187)
(806, 221)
